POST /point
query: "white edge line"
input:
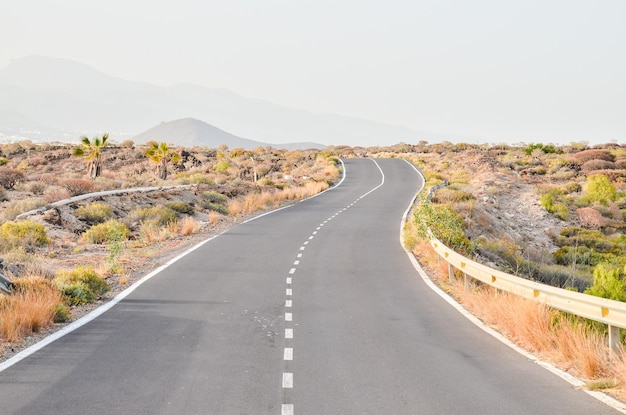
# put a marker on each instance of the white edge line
(97, 312)
(602, 397)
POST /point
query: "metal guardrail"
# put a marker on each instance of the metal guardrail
(98, 194)
(609, 312)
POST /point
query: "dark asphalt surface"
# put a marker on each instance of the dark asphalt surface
(211, 334)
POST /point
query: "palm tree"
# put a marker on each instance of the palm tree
(92, 150)
(161, 154)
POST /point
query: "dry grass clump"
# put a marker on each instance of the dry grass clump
(29, 309)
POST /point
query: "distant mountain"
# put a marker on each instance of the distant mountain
(189, 132)
(71, 99)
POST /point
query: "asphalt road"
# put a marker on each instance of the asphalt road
(314, 309)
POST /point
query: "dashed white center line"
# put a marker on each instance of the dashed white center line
(302, 248)
(288, 317)
(292, 270)
(288, 292)
(311, 237)
(299, 255)
(287, 409)
(306, 243)
(288, 355)
(288, 303)
(288, 280)
(288, 333)
(288, 380)
(296, 262)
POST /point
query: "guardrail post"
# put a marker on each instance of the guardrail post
(450, 272)
(614, 338)
(466, 282)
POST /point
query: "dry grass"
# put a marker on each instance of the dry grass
(188, 226)
(566, 341)
(30, 309)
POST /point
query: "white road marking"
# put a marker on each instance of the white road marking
(299, 255)
(288, 280)
(306, 243)
(311, 237)
(296, 262)
(288, 317)
(302, 248)
(289, 333)
(292, 270)
(289, 292)
(288, 303)
(288, 355)
(287, 409)
(287, 380)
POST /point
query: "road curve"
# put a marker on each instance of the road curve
(315, 309)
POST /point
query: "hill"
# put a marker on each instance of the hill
(189, 132)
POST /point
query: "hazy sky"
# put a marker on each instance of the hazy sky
(488, 71)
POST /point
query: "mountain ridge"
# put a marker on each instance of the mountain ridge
(72, 97)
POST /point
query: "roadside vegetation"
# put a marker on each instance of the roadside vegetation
(484, 200)
(64, 258)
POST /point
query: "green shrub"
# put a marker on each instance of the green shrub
(216, 207)
(62, 314)
(26, 234)
(214, 197)
(572, 187)
(94, 212)
(3, 161)
(180, 206)
(599, 189)
(109, 231)
(161, 215)
(222, 166)
(445, 224)
(608, 282)
(81, 285)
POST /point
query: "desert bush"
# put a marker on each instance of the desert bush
(10, 177)
(106, 232)
(180, 206)
(55, 193)
(35, 187)
(572, 187)
(593, 154)
(77, 187)
(608, 282)
(613, 175)
(620, 164)
(26, 234)
(222, 166)
(194, 178)
(592, 165)
(188, 226)
(161, 215)
(599, 189)
(31, 308)
(3, 161)
(94, 212)
(560, 276)
(81, 285)
(215, 207)
(451, 194)
(445, 224)
(214, 197)
(590, 218)
(579, 256)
